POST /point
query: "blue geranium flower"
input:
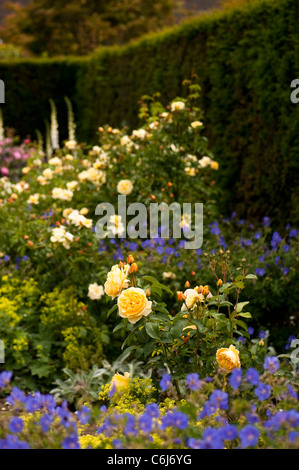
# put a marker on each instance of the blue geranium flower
(16, 425)
(249, 436)
(145, 422)
(193, 382)
(260, 271)
(250, 330)
(45, 422)
(235, 378)
(262, 391)
(266, 222)
(5, 378)
(228, 432)
(71, 442)
(271, 364)
(165, 382)
(84, 415)
(252, 376)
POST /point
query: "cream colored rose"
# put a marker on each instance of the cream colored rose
(195, 124)
(133, 304)
(177, 106)
(95, 292)
(71, 144)
(48, 173)
(117, 280)
(71, 185)
(192, 297)
(204, 161)
(228, 358)
(125, 187)
(139, 133)
(33, 199)
(55, 161)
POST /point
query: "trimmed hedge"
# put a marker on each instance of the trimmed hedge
(245, 58)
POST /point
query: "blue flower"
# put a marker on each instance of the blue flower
(193, 382)
(165, 382)
(212, 439)
(286, 248)
(293, 418)
(194, 443)
(250, 330)
(16, 396)
(262, 391)
(241, 339)
(220, 398)
(260, 271)
(84, 414)
(16, 425)
(5, 378)
(249, 436)
(293, 435)
(271, 364)
(293, 233)
(130, 425)
(292, 392)
(285, 271)
(152, 409)
(252, 376)
(262, 334)
(45, 422)
(235, 378)
(266, 222)
(32, 404)
(180, 420)
(117, 444)
(228, 432)
(12, 442)
(257, 235)
(71, 442)
(145, 422)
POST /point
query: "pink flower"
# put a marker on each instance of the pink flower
(4, 171)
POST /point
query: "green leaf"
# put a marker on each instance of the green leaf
(245, 315)
(111, 310)
(152, 330)
(241, 305)
(251, 276)
(118, 327)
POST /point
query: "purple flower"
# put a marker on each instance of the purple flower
(249, 436)
(5, 378)
(257, 235)
(250, 330)
(292, 392)
(285, 271)
(271, 364)
(193, 382)
(262, 391)
(71, 442)
(260, 271)
(235, 378)
(145, 422)
(180, 420)
(152, 409)
(165, 382)
(84, 415)
(16, 425)
(45, 422)
(266, 222)
(252, 376)
(293, 233)
(212, 439)
(220, 399)
(286, 248)
(228, 432)
(262, 334)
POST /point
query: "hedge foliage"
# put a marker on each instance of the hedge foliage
(245, 58)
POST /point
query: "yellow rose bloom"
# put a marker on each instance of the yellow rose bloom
(133, 304)
(120, 382)
(116, 280)
(228, 358)
(125, 187)
(214, 165)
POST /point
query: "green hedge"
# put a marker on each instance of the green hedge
(245, 58)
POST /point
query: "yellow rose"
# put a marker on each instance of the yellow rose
(119, 382)
(228, 358)
(133, 304)
(214, 165)
(195, 124)
(191, 298)
(116, 280)
(125, 187)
